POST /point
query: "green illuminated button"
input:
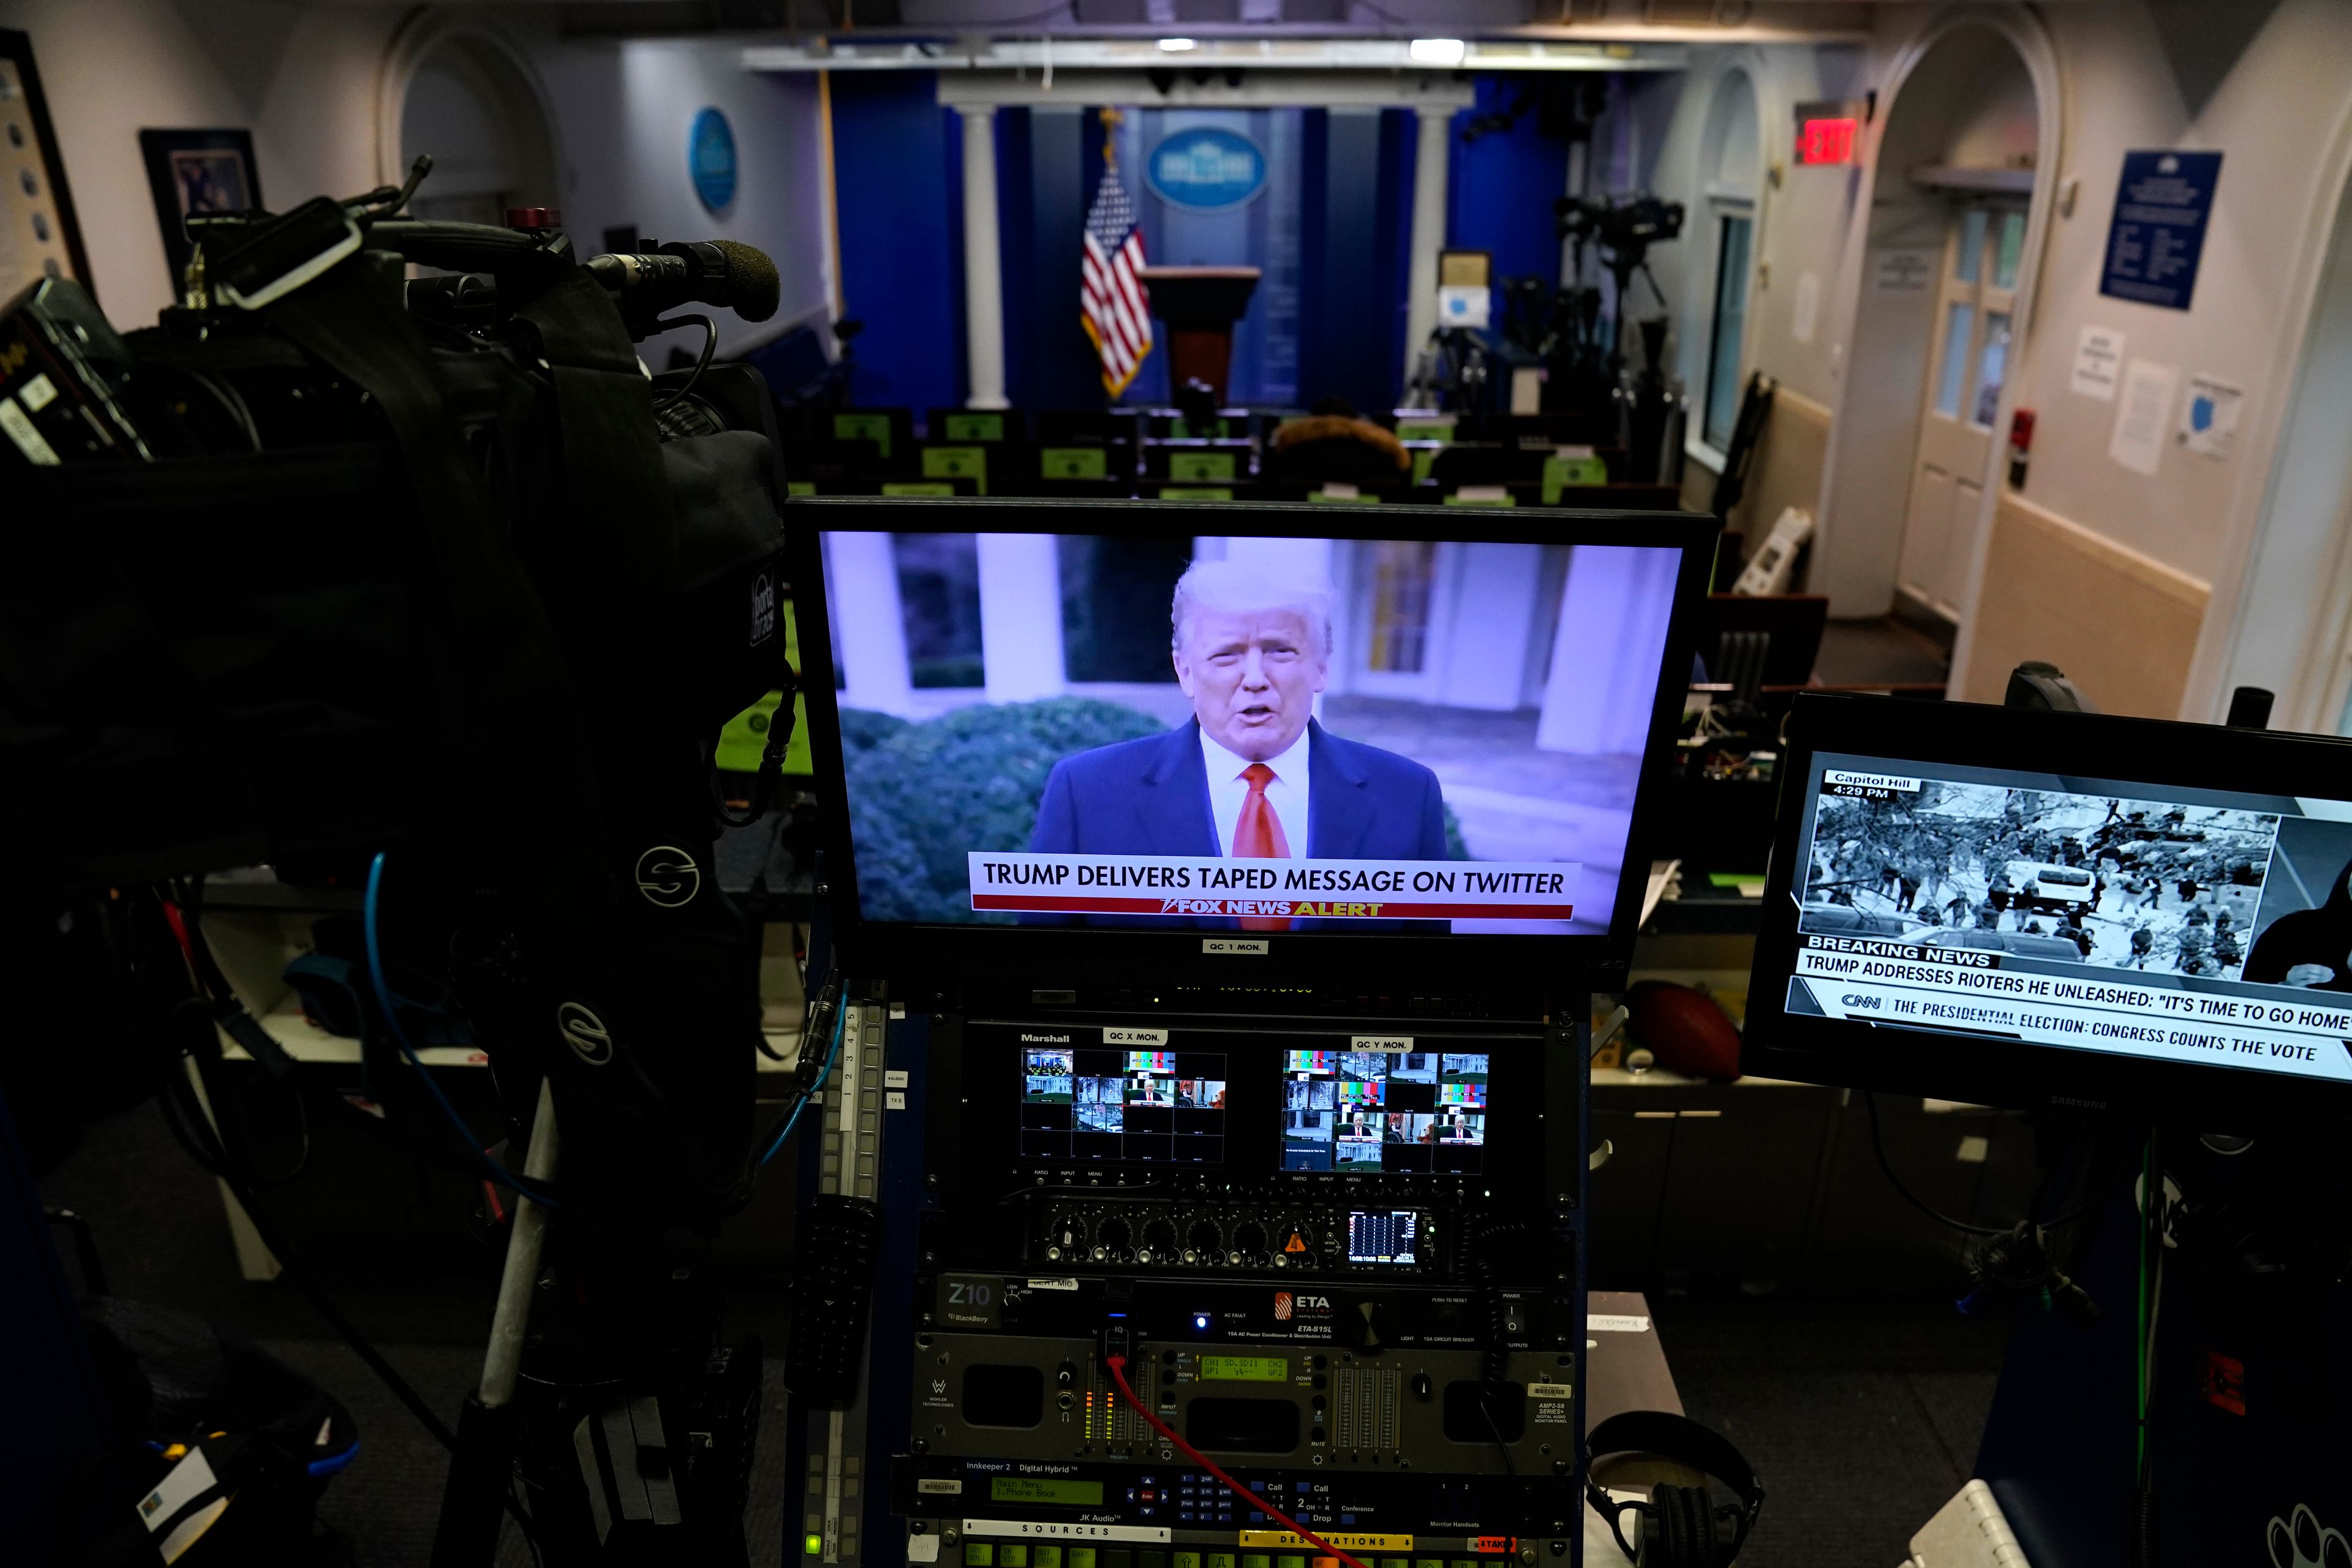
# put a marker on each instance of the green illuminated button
(1045, 1556)
(1466, 1563)
(1082, 1557)
(978, 1554)
(1010, 1556)
(1393, 1563)
(1257, 1560)
(1220, 1560)
(1428, 1562)
(1188, 1560)
(1289, 1561)
(813, 1544)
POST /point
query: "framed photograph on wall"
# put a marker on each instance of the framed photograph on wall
(197, 171)
(38, 236)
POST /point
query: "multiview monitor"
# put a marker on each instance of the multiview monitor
(1246, 740)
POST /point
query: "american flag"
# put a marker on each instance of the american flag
(1112, 301)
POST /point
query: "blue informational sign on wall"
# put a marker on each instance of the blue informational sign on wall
(2158, 231)
(1207, 169)
(711, 158)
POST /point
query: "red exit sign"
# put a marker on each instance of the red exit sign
(1826, 131)
(1826, 142)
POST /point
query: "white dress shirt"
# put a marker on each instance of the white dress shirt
(1286, 791)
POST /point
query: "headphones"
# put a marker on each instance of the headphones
(1679, 1527)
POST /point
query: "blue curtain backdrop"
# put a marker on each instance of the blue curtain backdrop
(1330, 231)
(898, 195)
(1044, 189)
(1358, 213)
(1500, 188)
(1265, 233)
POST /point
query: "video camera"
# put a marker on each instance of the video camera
(427, 587)
(1624, 230)
(333, 560)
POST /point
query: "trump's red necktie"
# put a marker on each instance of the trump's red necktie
(1258, 836)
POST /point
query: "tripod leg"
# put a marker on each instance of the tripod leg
(468, 1536)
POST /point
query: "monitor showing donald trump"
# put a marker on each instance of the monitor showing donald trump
(1162, 731)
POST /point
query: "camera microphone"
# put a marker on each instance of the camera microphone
(721, 272)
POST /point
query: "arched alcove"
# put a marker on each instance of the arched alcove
(1939, 280)
(466, 95)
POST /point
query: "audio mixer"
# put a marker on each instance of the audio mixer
(1337, 1260)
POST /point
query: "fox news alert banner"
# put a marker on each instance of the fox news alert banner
(1189, 888)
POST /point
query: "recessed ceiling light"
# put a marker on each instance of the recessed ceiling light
(1178, 45)
(1434, 51)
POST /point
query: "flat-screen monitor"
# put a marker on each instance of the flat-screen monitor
(1245, 741)
(1383, 1110)
(1161, 1107)
(2023, 907)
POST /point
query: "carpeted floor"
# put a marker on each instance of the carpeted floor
(1860, 1415)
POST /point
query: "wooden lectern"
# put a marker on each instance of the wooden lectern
(1199, 305)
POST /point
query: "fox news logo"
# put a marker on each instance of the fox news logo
(763, 609)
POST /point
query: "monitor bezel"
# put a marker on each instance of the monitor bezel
(2158, 753)
(1066, 956)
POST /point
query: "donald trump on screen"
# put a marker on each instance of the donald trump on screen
(1250, 775)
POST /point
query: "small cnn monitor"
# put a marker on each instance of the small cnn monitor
(2027, 908)
(1241, 743)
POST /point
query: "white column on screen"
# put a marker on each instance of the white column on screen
(1429, 176)
(1021, 617)
(1486, 652)
(983, 268)
(1604, 658)
(869, 623)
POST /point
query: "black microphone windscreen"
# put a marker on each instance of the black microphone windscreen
(753, 289)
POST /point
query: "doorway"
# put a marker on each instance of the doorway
(1939, 269)
(470, 104)
(1976, 310)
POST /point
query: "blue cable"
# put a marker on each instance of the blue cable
(784, 1133)
(400, 1038)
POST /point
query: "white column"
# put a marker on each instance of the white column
(1428, 230)
(1604, 657)
(869, 625)
(1485, 660)
(983, 270)
(1021, 617)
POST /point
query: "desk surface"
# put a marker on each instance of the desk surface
(1625, 1369)
(1626, 1366)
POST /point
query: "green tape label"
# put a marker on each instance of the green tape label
(1072, 463)
(1195, 467)
(874, 427)
(1571, 472)
(957, 463)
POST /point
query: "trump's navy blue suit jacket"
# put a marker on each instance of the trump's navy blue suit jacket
(1151, 797)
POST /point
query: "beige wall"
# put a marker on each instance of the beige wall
(302, 79)
(2271, 91)
(305, 79)
(2121, 625)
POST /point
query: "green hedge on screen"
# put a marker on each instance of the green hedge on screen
(929, 793)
